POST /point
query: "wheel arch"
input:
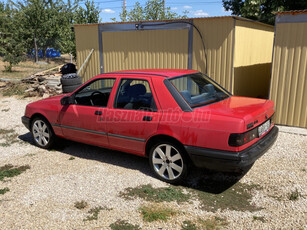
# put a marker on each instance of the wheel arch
(161, 137)
(35, 115)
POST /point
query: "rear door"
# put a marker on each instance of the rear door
(84, 121)
(134, 116)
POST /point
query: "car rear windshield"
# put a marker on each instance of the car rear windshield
(198, 89)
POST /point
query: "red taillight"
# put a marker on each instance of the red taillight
(238, 139)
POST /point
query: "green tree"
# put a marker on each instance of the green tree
(262, 10)
(42, 21)
(89, 14)
(153, 10)
(11, 45)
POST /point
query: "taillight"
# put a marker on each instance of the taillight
(238, 139)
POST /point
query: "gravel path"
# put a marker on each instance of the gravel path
(43, 196)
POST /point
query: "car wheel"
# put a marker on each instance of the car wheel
(71, 81)
(69, 88)
(42, 133)
(169, 162)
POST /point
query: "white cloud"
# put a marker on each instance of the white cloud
(107, 11)
(174, 8)
(187, 7)
(200, 13)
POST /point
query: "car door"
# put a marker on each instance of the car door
(84, 120)
(134, 116)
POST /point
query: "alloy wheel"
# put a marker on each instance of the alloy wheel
(167, 162)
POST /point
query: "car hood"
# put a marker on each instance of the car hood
(248, 109)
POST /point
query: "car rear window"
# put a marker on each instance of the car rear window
(198, 89)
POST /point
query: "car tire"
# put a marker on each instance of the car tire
(71, 81)
(69, 88)
(42, 133)
(169, 162)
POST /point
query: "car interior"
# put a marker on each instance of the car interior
(135, 95)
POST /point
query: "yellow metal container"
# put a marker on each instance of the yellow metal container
(289, 69)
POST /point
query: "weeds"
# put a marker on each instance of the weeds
(71, 158)
(260, 218)
(188, 225)
(155, 212)
(14, 89)
(11, 171)
(5, 110)
(294, 195)
(235, 198)
(94, 212)
(81, 204)
(123, 225)
(213, 223)
(147, 192)
(3, 191)
(9, 136)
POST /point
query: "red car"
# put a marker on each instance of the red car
(176, 118)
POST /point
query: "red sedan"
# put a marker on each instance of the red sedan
(176, 118)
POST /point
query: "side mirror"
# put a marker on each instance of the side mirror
(67, 100)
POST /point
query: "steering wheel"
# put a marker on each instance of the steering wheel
(92, 95)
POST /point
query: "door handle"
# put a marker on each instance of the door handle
(98, 112)
(146, 118)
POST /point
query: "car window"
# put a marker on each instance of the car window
(96, 93)
(134, 94)
(199, 90)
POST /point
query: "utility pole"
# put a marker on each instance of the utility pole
(164, 7)
(124, 14)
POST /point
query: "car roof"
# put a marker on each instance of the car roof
(155, 72)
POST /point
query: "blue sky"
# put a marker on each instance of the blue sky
(197, 8)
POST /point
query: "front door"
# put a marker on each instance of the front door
(84, 121)
(134, 116)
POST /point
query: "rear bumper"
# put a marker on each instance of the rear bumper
(220, 160)
(26, 122)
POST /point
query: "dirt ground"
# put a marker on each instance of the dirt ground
(77, 186)
(28, 67)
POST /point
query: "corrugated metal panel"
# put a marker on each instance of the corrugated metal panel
(125, 50)
(86, 40)
(289, 74)
(253, 43)
(218, 37)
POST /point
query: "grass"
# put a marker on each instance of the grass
(81, 204)
(260, 218)
(123, 225)
(14, 89)
(94, 212)
(294, 195)
(156, 212)
(28, 67)
(9, 136)
(235, 198)
(5, 110)
(188, 225)
(71, 158)
(4, 190)
(147, 192)
(213, 223)
(9, 170)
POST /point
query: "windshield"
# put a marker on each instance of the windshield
(198, 89)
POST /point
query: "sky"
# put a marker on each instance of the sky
(197, 8)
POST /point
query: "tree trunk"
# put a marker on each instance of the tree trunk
(35, 49)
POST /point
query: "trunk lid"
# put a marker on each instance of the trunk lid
(253, 111)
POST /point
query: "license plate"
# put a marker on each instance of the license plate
(262, 129)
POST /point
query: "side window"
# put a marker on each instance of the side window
(96, 93)
(134, 94)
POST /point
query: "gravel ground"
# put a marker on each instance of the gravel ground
(43, 197)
